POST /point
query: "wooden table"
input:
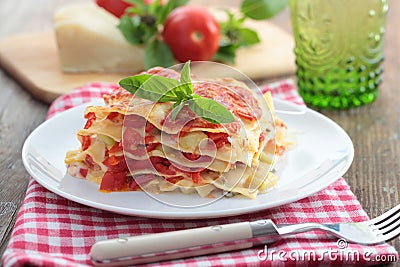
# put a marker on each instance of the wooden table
(374, 176)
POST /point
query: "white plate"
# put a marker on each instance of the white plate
(323, 153)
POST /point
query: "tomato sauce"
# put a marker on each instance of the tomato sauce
(91, 117)
(219, 139)
(86, 142)
(238, 100)
(91, 164)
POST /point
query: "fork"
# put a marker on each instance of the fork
(234, 236)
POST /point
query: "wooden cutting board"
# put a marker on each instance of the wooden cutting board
(33, 61)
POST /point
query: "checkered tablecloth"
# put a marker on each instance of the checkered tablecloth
(53, 231)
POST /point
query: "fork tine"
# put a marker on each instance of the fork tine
(387, 225)
(391, 235)
(391, 227)
(385, 215)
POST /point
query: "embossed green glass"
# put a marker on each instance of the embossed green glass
(339, 50)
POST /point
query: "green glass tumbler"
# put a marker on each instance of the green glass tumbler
(339, 50)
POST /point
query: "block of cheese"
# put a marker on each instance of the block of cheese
(88, 40)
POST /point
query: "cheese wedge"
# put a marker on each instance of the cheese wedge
(89, 41)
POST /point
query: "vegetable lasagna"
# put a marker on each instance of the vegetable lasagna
(133, 144)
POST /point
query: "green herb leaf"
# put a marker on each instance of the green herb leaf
(233, 37)
(211, 110)
(161, 89)
(179, 91)
(133, 83)
(176, 108)
(132, 29)
(137, 3)
(185, 79)
(138, 7)
(150, 87)
(262, 9)
(158, 53)
(226, 53)
(248, 37)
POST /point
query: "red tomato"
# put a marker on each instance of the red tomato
(196, 178)
(91, 117)
(113, 181)
(162, 165)
(116, 148)
(192, 33)
(115, 117)
(86, 141)
(219, 139)
(83, 172)
(191, 156)
(115, 164)
(115, 7)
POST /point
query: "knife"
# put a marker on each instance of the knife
(181, 244)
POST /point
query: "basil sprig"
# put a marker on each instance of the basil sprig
(141, 24)
(162, 89)
(234, 35)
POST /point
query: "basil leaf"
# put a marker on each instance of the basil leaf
(248, 37)
(137, 7)
(211, 110)
(158, 53)
(176, 108)
(234, 36)
(157, 89)
(185, 79)
(226, 53)
(136, 3)
(161, 89)
(262, 9)
(153, 8)
(133, 83)
(151, 87)
(179, 91)
(132, 29)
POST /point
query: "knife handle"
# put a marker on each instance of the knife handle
(171, 245)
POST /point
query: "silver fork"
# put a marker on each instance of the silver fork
(234, 236)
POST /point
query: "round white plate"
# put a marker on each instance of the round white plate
(323, 153)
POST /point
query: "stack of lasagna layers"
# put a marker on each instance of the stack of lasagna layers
(132, 144)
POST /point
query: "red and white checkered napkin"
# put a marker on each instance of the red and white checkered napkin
(53, 231)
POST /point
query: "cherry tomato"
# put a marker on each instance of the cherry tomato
(115, 7)
(192, 33)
